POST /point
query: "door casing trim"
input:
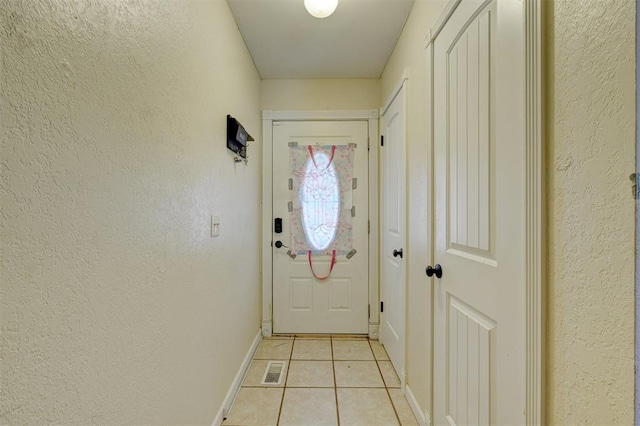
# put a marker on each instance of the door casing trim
(268, 118)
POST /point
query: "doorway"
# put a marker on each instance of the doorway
(394, 212)
(308, 285)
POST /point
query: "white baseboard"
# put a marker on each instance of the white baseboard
(237, 382)
(422, 417)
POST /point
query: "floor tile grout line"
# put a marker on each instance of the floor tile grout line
(329, 387)
(304, 360)
(284, 387)
(309, 387)
(394, 407)
(335, 382)
(361, 387)
(386, 388)
(317, 387)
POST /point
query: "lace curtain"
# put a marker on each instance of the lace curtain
(321, 204)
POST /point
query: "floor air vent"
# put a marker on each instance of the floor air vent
(273, 375)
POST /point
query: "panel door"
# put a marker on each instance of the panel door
(479, 198)
(301, 302)
(393, 252)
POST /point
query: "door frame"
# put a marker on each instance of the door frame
(400, 87)
(268, 118)
(534, 220)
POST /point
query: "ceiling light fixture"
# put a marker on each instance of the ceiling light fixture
(320, 8)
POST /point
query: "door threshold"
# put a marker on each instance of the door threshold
(319, 336)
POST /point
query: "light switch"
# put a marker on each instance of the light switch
(215, 225)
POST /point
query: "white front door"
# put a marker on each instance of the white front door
(303, 303)
(393, 251)
(479, 322)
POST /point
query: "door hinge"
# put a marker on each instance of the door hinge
(634, 178)
(369, 227)
(369, 311)
(381, 140)
(381, 307)
(368, 143)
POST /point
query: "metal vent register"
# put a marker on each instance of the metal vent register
(273, 373)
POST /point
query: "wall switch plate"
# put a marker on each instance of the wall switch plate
(215, 225)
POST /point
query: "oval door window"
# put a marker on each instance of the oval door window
(320, 199)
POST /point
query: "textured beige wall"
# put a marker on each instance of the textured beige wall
(410, 54)
(116, 302)
(590, 153)
(329, 94)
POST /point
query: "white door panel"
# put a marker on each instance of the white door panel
(302, 303)
(478, 206)
(393, 286)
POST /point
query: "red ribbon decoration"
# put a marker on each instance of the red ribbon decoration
(333, 262)
(313, 158)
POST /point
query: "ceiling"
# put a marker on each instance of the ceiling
(286, 42)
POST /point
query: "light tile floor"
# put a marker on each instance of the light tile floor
(329, 380)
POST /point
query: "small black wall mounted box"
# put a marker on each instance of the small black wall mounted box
(237, 137)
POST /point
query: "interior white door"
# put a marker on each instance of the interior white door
(393, 251)
(301, 302)
(479, 323)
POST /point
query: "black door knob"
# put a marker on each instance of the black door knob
(437, 271)
(397, 253)
(279, 244)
